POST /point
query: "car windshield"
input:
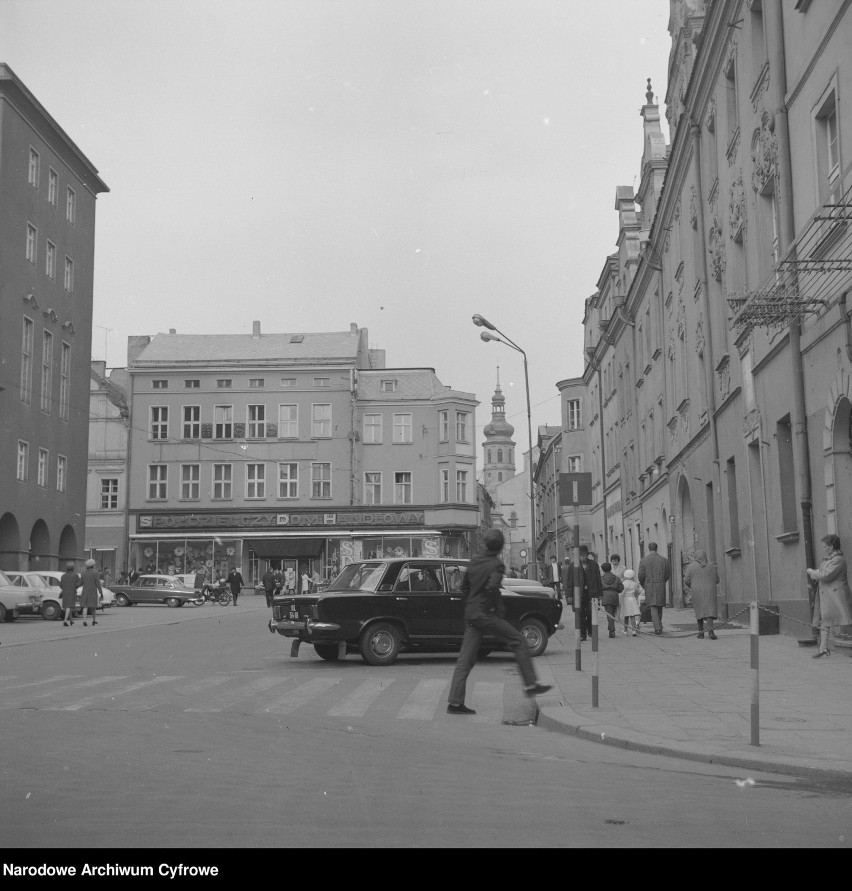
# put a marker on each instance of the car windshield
(358, 577)
(35, 581)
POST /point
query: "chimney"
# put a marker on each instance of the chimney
(255, 330)
(172, 330)
(353, 327)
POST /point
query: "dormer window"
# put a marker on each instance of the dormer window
(388, 386)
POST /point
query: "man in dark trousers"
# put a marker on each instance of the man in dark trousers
(483, 614)
(590, 584)
(654, 572)
(235, 580)
(268, 582)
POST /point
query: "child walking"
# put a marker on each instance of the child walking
(629, 601)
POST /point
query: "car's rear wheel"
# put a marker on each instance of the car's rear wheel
(122, 599)
(51, 611)
(173, 601)
(535, 633)
(380, 644)
(327, 651)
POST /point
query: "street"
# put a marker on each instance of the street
(206, 733)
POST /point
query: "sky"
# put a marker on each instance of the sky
(401, 164)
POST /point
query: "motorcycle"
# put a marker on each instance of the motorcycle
(213, 594)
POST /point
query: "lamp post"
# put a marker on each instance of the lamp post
(487, 336)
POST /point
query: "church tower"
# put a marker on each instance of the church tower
(499, 447)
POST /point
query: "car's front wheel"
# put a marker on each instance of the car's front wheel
(327, 651)
(51, 610)
(535, 633)
(122, 599)
(380, 644)
(173, 601)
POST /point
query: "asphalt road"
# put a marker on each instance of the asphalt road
(205, 733)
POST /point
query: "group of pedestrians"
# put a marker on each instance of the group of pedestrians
(91, 590)
(275, 581)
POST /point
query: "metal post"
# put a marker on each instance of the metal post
(532, 476)
(595, 662)
(755, 674)
(578, 589)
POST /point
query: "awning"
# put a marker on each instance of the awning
(287, 548)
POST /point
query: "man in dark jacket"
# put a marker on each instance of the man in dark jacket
(654, 572)
(235, 580)
(611, 587)
(268, 582)
(590, 584)
(483, 614)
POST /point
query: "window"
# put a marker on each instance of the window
(159, 422)
(190, 482)
(61, 472)
(65, 381)
(462, 484)
(402, 428)
(402, 487)
(322, 381)
(223, 422)
(732, 120)
(462, 424)
(320, 421)
(33, 169)
(444, 426)
(255, 383)
(27, 361)
(109, 494)
(733, 507)
(224, 383)
(193, 384)
(255, 481)
(445, 486)
(192, 422)
(32, 243)
(68, 283)
(828, 150)
(71, 206)
(157, 482)
(288, 480)
(320, 480)
(222, 482)
(50, 261)
(499, 456)
(373, 429)
(160, 385)
(46, 371)
(372, 487)
(575, 464)
(787, 475)
(288, 382)
(489, 459)
(288, 421)
(52, 186)
(388, 386)
(256, 420)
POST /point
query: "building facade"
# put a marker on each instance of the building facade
(298, 450)
(48, 192)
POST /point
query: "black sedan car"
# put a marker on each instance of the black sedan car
(380, 608)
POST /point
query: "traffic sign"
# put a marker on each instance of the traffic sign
(575, 489)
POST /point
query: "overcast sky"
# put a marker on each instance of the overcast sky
(401, 164)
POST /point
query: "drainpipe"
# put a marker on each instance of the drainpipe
(784, 183)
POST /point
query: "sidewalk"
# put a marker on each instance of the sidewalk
(677, 695)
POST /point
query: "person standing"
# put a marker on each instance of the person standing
(91, 582)
(68, 584)
(268, 582)
(235, 580)
(590, 589)
(699, 582)
(654, 572)
(617, 568)
(554, 580)
(290, 581)
(629, 601)
(611, 587)
(306, 581)
(315, 581)
(483, 614)
(567, 580)
(833, 605)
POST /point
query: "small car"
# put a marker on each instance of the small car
(380, 608)
(16, 600)
(168, 589)
(52, 608)
(529, 586)
(33, 591)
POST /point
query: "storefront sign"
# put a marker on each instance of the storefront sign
(346, 519)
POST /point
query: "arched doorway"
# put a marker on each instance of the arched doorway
(40, 546)
(67, 545)
(10, 542)
(686, 525)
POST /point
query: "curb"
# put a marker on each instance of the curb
(561, 719)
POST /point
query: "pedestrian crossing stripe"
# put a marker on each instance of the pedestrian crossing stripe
(88, 700)
(93, 682)
(355, 705)
(295, 698)
(231, 697)
(424, 700)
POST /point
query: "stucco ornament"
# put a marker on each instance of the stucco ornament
(699, 336)
(681, 321)
(716, 248)
(671, 347)
(693, 208)
(764, 153)
(736, 207)
(724, 380)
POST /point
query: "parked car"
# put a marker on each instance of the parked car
(32, 592)
(380, 608)
(17, 600)
(53, 607)
(168, 589)
(529, 586)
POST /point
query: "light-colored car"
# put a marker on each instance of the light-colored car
(54, 606)
(29, 594)
(168, 589)
(527, 586)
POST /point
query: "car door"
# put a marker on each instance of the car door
(165, 588)
(421, 599)
(145, 591)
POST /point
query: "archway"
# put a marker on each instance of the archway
(10, 542)
(40, 546)
(67, 545)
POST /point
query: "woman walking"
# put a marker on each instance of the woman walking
(91, 589)
(833, 604)
(699, 583)
(69, 583)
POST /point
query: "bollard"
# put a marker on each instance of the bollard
(595, 662)
(755, 674)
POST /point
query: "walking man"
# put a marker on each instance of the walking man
(590, 585)
(235, 580)
(268, 582)
(654, 572)
(483, 614)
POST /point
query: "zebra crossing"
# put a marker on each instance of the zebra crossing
(404, 698)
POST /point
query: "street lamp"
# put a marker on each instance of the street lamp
(482, 322)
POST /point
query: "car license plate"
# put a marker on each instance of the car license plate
(293, 615)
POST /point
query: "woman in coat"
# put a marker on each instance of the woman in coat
(91, 589)
(699, 582)
(69, 583)
(834, 601)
